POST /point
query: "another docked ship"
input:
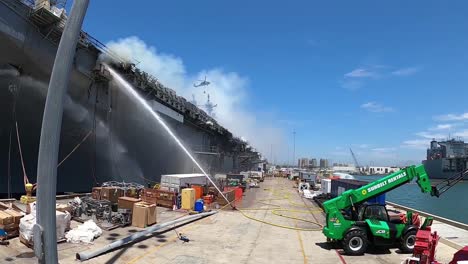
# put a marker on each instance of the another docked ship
(445, 159)
(105, 136)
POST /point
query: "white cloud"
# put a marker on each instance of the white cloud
(228, 90)
(463, 133)
(384, 150)
(406, 71)
(351, 84)
(363, 146)
(376, 107)
(357, 78)
(360, 73)
(430, 135)
(443, 127)
(451, 117)
(415, 144)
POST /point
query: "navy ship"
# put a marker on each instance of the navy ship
(446, 159)
(105, 136)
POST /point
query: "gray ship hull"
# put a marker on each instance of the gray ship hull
(437, 169)
(128, 145)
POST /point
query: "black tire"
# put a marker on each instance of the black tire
(407, 241)
(355, 242)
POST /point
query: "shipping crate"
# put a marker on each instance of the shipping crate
(144, 214)
(16, 215)
(230, 195)
(5, 218)
(96, 194)
(111, 194)
(10, 227)
(127, 202)
(160, 197)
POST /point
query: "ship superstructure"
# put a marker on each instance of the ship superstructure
(446, 158)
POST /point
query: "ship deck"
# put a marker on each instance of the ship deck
(231, 237)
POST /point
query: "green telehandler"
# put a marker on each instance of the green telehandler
(357, 224)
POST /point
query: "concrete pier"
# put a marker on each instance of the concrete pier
(270, 232)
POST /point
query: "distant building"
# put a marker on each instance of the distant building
(373, 170)
(313, 163)
(348, 168)
(324, 163)
(303, 163)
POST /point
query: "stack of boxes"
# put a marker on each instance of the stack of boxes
(144, 214)
(9, 222)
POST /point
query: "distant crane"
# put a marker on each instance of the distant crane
(355, 159)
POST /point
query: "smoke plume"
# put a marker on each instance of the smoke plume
(228, 90)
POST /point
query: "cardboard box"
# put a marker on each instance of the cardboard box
(111, 194)
(96, 193)
(5, 218)
(127, 202)
(144, 214)
(16, 215)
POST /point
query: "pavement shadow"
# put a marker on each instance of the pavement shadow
(374, 250)
(327, 245)
(26, 255)
(125, 247)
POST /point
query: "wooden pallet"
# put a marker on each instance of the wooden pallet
(31, 245)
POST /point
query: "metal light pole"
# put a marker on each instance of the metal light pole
(294, 146)
(271, 153)
(45, 240)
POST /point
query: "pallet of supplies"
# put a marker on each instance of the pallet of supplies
(27, 223)
(111, 194)
(5, 218)
(96, 193)
(127, 202)
(159, 197)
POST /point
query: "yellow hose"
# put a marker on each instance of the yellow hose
(277, 209)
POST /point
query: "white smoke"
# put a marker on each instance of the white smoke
(124, 165)
(228, 90)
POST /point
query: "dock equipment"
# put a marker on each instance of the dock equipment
(425, 245)
(356, 223)
(88, 255)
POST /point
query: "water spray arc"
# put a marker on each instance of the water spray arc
(131, 91)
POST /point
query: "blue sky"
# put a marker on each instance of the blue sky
(379, 77)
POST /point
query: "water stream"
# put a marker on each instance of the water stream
(129, 90)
